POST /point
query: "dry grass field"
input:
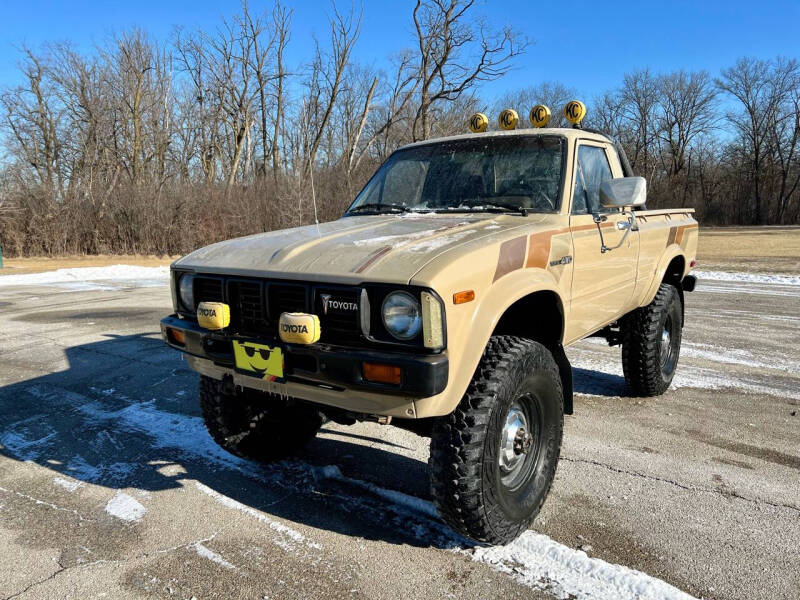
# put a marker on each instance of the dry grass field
(754, 249)
(16, 266)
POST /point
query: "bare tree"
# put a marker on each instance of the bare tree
(456, 53)
(761, 87)
(639, 96)
(687, 111)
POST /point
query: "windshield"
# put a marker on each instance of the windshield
(493, 173)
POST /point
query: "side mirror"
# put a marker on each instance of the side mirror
(623, 192)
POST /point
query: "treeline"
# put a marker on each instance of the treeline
(153, 146)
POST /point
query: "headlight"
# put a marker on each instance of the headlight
(186, 291)
(402, 316)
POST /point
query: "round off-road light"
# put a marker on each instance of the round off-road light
(186, 291)
(402, 315)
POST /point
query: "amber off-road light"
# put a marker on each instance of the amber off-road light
(508, 119)
(381, 373)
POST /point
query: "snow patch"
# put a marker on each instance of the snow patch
(125, 507)
(68, 485)
(93, 278)
(772, 278)
(398, 498)
(212, 556)
(390, 240)
(292, 534)
(537, 561)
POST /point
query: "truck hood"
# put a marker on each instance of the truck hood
(389, 248)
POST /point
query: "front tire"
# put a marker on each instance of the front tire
(256, 425)
(651, 343)
(493, 459)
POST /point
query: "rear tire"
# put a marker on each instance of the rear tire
(651, 343)
(494, 458)
(255, 425)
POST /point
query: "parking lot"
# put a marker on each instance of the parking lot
(110, 486)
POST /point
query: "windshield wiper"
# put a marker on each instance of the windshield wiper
(506, 206)
(379, 207)
(491, 207)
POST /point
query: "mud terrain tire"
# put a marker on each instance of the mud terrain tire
(255, 425)
(651, 343)
(474, 486)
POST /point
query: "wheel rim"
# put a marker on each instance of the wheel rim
(519, 442)
(667, 351)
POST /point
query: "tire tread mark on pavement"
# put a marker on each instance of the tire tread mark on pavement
(690, 488)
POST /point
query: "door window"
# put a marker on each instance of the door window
(592, 170)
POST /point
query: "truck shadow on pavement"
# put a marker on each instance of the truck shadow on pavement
(597, 383)
(124, 414)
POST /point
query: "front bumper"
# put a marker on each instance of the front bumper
(321, 366)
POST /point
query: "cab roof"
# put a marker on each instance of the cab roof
(567, 132)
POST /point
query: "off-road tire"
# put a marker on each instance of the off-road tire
(466, 477)
(255, 425)
(642, 331)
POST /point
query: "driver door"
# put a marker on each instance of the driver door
(602, 282)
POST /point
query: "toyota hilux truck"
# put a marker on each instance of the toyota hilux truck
(441, 302)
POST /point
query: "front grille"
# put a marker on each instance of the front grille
(285, 297)
(339, 325)
(208, 289)
(246, 299)
(256, 306)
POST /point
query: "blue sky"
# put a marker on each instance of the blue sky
(588, 46)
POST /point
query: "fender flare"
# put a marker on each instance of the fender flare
(669, 255)
(500, 296)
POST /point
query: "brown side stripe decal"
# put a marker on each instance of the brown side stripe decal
(512, 256)
(676, 233)
(681, 231)
(673, 232)
(539, 249)
(372, 258)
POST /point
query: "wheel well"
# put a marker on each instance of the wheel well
(674, 275)
(540, 317)
(675, 270)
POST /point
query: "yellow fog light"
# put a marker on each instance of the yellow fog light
(299, 328)
(213, 315)
(432, 330)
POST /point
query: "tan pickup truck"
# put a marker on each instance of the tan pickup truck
(441, 302)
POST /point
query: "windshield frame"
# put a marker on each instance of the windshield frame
(564, 146)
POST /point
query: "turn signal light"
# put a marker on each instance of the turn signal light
(382, 373)
(462, 297)
(176, 336)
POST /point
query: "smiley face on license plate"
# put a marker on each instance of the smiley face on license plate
(259, 359)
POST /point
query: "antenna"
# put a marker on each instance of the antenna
(314, 201)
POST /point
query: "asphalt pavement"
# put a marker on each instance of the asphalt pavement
(110, 486)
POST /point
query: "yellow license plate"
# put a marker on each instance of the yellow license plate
(258, 359)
